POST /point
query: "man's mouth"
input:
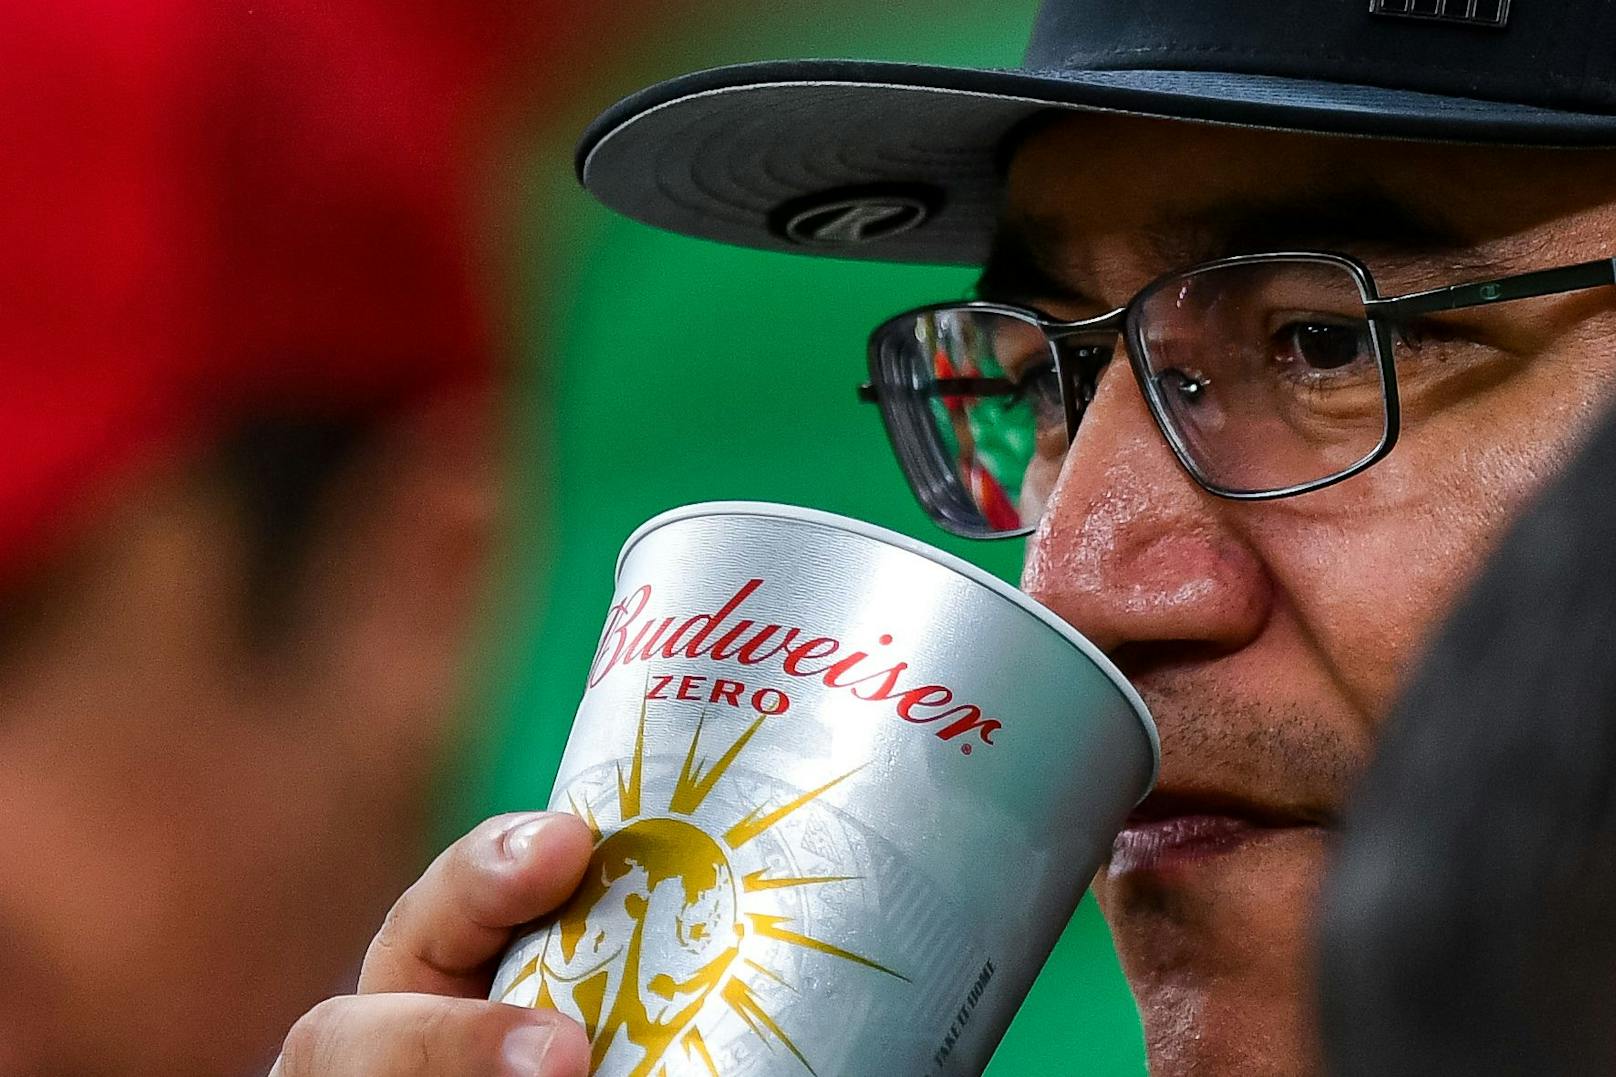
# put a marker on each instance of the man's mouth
(1169, 831)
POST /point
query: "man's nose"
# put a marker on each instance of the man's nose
(1136, 555)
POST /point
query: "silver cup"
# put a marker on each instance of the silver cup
(847, 790)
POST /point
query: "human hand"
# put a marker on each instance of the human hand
(421, 1009)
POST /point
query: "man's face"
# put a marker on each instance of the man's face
(1270, 638)
(198, 832)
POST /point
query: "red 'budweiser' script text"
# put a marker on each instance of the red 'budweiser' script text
(634, 635)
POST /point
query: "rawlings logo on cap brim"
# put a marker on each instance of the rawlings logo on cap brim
(852, 217)
(1493, 14)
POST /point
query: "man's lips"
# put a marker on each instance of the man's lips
(1168, 831)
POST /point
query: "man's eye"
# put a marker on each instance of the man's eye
(1321, 345)
(1039, 386)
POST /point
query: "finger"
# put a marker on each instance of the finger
(445, 931)
(429, 1036)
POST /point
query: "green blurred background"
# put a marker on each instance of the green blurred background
(661, 370)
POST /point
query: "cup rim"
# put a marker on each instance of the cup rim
(958, 565)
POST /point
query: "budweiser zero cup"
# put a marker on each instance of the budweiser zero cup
(846, 789)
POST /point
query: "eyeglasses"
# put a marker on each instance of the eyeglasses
(1270, 375)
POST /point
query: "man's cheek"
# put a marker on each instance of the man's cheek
(1365, 597)
(1375, 565)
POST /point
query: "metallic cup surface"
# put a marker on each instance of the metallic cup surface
(847, 790)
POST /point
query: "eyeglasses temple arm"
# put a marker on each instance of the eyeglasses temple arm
(1484, 293)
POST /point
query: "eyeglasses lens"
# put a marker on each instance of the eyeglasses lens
(972, 399)
(1265, 374)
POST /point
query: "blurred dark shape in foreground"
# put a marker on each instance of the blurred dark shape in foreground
(1470, 924)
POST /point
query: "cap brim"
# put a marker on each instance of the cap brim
(717, 154)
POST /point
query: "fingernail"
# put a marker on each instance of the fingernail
(518, 840)
(525, 1049)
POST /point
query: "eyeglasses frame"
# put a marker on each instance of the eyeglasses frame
(1078, 370)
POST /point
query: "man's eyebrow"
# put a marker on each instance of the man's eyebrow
(1026, 263)
(1020, 266)
(1367, 223)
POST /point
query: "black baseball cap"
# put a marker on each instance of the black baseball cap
(905, 162)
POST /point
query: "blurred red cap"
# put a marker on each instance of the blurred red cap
(212, 207)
